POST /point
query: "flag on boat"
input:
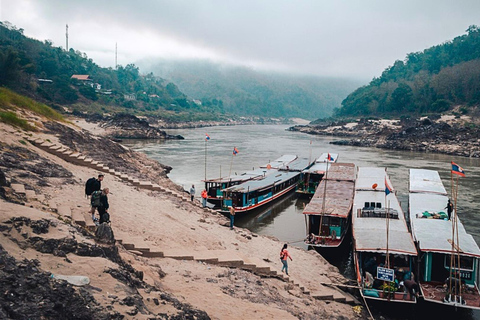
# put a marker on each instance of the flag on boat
(207, 137)
(330, 158)
(235, 151)
(388, 189)
(456, 169)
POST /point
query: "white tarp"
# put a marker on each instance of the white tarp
(422, 180)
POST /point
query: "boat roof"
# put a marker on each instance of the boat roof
(298, 164)
(370, 233)
(341, 171)
(324, 157)
(257, 173)
(280, 162)
(338, 198)
(422, 180)
(435, 235)
(317, 167)
(259, 184)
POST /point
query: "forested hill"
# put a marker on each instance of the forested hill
(434, 80)
(44, 72)
(244, 91)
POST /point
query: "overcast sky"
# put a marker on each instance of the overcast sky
(349, 38)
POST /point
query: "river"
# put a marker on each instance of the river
(258, 144)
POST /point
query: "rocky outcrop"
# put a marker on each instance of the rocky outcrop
(126, 126)
(425, 134)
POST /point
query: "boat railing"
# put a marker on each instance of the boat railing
(368, 212)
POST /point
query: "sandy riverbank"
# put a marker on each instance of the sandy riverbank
(167, 288)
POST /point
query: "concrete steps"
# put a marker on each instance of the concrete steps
(18, 188)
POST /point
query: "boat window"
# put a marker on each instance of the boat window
(379, 204)
(367, 204)
(466, 263)
(372, 205)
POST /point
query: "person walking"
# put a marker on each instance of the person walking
(92, 185)
(232, 216)
(204, 198)
(103, 208)
(192, 192)
(284, 255)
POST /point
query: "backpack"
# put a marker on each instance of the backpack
(95, 201)
(89, 186)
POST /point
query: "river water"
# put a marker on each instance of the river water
(193, 159)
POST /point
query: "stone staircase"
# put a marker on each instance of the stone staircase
(224, 258)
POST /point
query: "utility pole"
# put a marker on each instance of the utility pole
(66, 36)
(116, 56)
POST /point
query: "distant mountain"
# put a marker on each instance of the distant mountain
(247, 92)
(435, 80)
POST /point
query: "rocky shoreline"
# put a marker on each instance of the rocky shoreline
(448, 135)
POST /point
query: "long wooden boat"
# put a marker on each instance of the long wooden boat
(253, 194)
(329, 211)
(312, 176)
(380, 235)
(215, 186)
(432, 231)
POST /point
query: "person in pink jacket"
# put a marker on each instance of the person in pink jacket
(284, 255)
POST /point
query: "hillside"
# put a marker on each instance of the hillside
(244, 91)
(44, 72)
(432, 81)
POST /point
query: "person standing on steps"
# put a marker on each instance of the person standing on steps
(204, 198)
(103, 208)
(232, 216)
(92, 185)
(284, 255)
(192, 192)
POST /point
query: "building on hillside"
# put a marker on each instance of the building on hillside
(81, 77)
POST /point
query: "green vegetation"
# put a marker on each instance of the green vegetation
(43, 72)
(11, 118)
(430, 81)
(12, 100)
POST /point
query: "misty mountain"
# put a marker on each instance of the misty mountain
(247, 92)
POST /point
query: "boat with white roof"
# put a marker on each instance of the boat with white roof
(384, 251)
(448, 255)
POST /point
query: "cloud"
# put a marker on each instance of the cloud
(347, 38)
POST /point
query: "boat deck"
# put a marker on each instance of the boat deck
(436, 292)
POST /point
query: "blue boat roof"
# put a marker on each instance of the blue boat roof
(267, 181)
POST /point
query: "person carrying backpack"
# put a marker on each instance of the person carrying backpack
(100, 201)
(284, 255)
(93, 184)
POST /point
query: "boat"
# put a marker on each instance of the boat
(253, 194)
(215, 187)
(433, 232)
(331, 207)
(383, 249)
(312, 176)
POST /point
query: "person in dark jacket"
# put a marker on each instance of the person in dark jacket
(96, 186)
(103, 208)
